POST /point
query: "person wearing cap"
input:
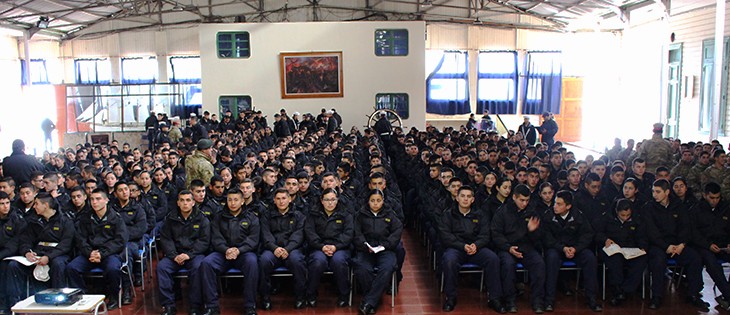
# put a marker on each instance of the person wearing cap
(281, 127)
(548, 129)
(528, 131)
(656, 151)
(295, 120)
(162, 135)
(175, 134)
(198, 165)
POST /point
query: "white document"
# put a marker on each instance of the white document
(375, 250)
(21, 259)
(628, 253)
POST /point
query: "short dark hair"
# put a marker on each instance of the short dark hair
(712, 188)
(567, 196)
(662, 183)
(521, 190)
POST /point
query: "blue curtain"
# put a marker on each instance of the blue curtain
(544, 75)
(185, 69)
(93, 71)
(447, 87)
(497, 82)
(139, 70)
(38, 72)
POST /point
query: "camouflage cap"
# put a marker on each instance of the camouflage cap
(204, 144)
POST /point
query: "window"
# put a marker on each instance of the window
(185, 69)
(391, 42)
(707, 85)
(398, 102)
(233, 45)
(93, 71)
(236, 104)
(497, 82)
(544, 75)
(447, 87)
(38, 72)
(139, 70)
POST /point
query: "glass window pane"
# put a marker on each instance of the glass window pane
(490, 62)
(234, 45)
(454, 62)
(494, 89)
(224, 36)
(448, 89)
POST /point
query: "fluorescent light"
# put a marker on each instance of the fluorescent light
(42, 22)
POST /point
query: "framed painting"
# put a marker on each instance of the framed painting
(311, 74)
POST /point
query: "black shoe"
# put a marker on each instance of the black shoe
(169, 310)
(195, 311)
(137, 281)
(621, 296)
(497, 306)
(449, 305)
(249, 311)
(300, 304)
(594, 306)
(366, 309)
(696, 300)
(343, 302)
(511, 307)
(127, 296)
(568, 292)
(266, 303)
(312, 303)
(549, 307)
(113, 304)
(723, 303)
(212, 311)
(656, 303)
(538, 309)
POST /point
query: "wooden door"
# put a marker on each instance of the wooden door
(570, 119)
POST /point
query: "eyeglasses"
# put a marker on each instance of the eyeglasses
(329, 200)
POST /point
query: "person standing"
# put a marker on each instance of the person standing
(19, 166)
(47, 126)
(548, 129)
(151, 124)
(657, 151)
(198, 165)
(528, 131)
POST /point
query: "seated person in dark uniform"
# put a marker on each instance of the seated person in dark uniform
(622, 228)
(100, 242)
(135, 218)
(670, 231)
(184, 240)
(568, 236)
(329, 231)
(516, 235)
(464, 231)
(711, 237)
(47, 241)
(282, 238)
(12, 226)
(206, 205)
(234, 239)
(78, 206)
(375, 226)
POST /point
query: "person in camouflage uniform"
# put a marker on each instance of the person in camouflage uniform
(694, 178)
(656, 151)
(684, 165)
(615, 151)
(716, 172)
(198, 165)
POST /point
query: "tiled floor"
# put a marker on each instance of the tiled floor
(419, 295)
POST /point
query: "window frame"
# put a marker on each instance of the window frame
(97, 63)
(233, 42)
(174, 78)
(545, 79)
(129, 81)
(44, 73)
(483, 104)
(455, 106)
(404, 113)
(234, 99)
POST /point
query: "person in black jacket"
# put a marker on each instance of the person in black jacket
(464, 234)
(670, 231)
(184, 240)
(134, 217)
(589, 199)
(235, 237)
(622, 228)
(548, 129)
(77, 207)
(282, 238)
(568, 236)
(377, 234)
(516, 235)
(18, 165)
(206, 205)
(12, 226)
(329, 231)
(100, 242)
(711, 237)
(47, 241)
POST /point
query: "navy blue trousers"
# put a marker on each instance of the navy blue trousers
(533, 262)
(110, 265)
(216, 264)
(338, 264)
(295, 263)
(17, 274)
(586, 261)
(452, 260)
(166, 270)
(627, 282)
(373, 283)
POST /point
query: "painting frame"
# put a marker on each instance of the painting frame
(296, 70)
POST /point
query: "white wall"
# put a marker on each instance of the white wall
(365, 74)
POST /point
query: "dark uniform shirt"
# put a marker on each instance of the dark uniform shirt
(53, 237)
(382, 229)
(134, 217)
(242, 231)
(107, 234)
(282, 230)
(12, 227)
(189, 236)
(667, 225)
(338, 229)
(631, 233)
(711, 224)
(509, 228)
(457, 229)
(573, 231)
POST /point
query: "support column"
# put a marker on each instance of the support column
(719, 71)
